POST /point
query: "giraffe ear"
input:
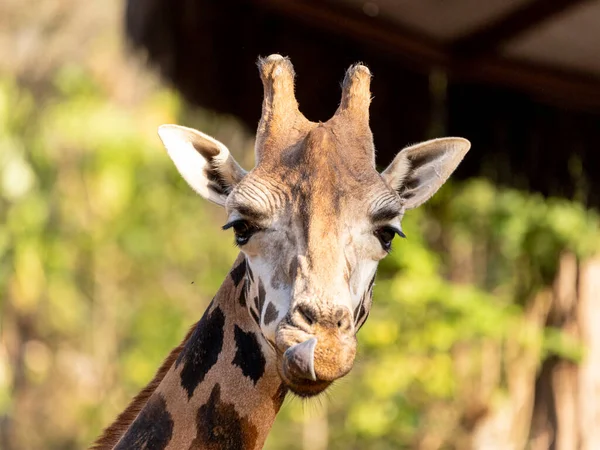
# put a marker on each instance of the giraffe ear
(418, 171)
(202, 161)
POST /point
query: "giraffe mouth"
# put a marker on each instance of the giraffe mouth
(298, 372)
(297, 369)
(305, 388)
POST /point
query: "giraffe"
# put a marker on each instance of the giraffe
(312, 220)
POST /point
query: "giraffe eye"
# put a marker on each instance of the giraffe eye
(386, 236)
(242, 229)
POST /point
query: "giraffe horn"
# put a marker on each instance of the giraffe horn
(299, 359)
(356, 95)
(280, 111)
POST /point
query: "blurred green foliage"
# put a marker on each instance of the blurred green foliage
(107, 257)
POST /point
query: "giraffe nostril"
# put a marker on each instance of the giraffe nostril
(307, 314)
(344, 321)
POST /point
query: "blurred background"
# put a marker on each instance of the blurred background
(485, 333)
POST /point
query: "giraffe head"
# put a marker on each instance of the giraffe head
(313, 218)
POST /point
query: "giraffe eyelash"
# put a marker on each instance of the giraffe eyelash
(243, 231)
(386, 236)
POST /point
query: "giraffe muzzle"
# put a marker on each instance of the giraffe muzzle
(317, 348)
(298, 369)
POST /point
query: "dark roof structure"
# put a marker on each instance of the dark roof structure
(519, 78)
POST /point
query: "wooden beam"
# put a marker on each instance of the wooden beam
(564, 89)
(491, 35)
(414, 47)
(420, 53)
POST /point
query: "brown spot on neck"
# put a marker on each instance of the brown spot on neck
(219, 426)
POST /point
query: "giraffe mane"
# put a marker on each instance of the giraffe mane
(114, 432)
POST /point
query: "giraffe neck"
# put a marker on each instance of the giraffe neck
(221, 389)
